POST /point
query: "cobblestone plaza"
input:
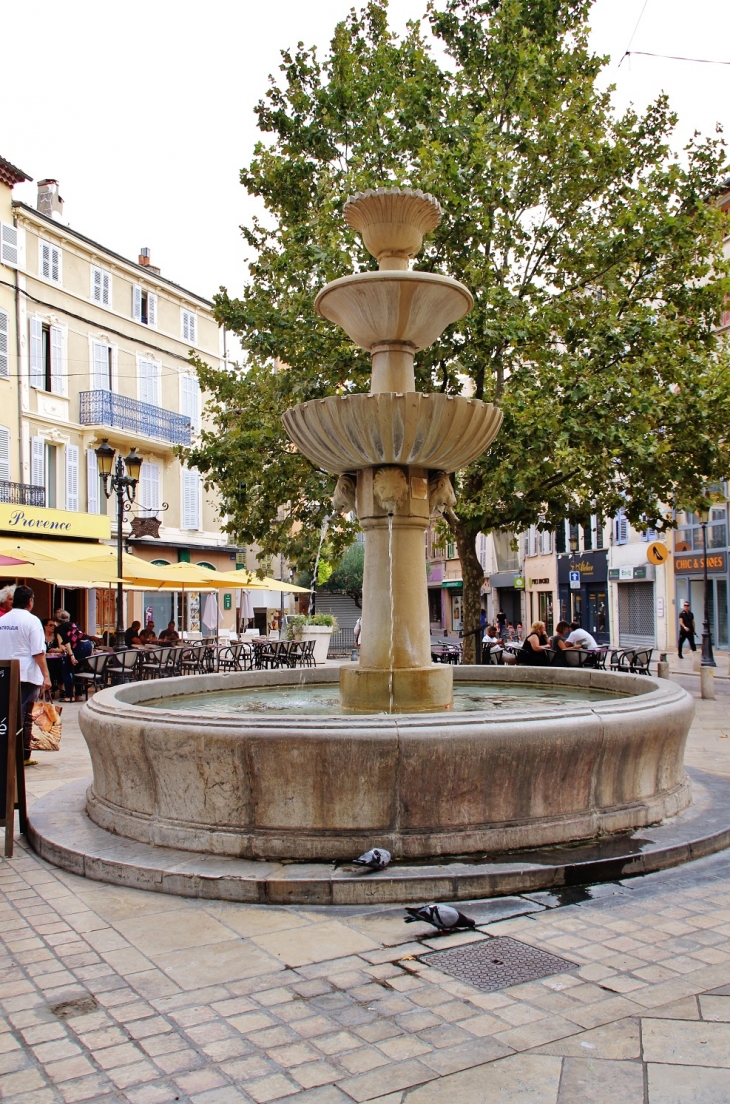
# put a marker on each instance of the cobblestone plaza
(115, 994)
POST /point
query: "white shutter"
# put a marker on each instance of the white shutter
(100, 380)
(137, 303)
(149, 377)
(55, 264)
(38, 462)
(92, 482)
(149, 496)
(191, 500)
(106, 288)
(12, 246)
(96, 284)
(50, 262)
(4, 346)
(189, 326)
(622, 527)
(151, 308)
(4, 453)
(45, 260)
(57, 374)
(72, 477)
(190, 401)
(37, 373)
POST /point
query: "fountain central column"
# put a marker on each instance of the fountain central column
(393, 448)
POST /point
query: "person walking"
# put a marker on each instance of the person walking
(687, 629)
(22, 637)
(501, 621)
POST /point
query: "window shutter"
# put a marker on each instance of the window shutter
(12, 241)
(4, 346)
(189, 326)
(92, 482)
(38, 462)
(190, 401)
(151, 308)
(622, 528)
(149, 497)
(57, 376)
(106, 288)
(96, 284)
(149, 382)
(100, 367)
(137, 303)
(37, 375)
(72, 477)
(45, 260)
(5, 453)
(55, 264)
(191, 500)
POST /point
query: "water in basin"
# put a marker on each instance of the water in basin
(324, 699)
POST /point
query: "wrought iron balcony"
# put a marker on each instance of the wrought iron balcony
(106, 408)
(22, 494)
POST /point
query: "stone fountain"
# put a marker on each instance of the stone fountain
(394, 448)
(247, 784)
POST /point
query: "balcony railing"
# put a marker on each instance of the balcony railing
(106, 408)
(22, 494)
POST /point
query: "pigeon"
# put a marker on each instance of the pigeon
(375, 859)
(444, 917)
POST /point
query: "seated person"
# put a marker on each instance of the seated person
(75, 647)
(170, 634)
(147, 636)
(560, 644)
(52, 645)
(535, 646)
(580, 638)
(131, 636)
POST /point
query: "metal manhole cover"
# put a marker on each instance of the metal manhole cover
(497, 963)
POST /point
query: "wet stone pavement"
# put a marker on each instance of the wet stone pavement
(112, 994)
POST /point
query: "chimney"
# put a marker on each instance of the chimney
(145, 261)
(49, 201)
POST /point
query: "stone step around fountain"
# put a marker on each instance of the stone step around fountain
(61, 832)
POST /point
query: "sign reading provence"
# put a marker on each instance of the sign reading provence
(691, 564)
(37, 521)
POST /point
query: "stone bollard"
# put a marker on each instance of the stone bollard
(662, 666)
(707, 683)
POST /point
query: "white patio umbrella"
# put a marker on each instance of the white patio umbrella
(211, 613)
(246, 606)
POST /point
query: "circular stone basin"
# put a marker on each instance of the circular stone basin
(320, 786)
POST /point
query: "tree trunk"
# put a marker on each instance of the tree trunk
(473, 576)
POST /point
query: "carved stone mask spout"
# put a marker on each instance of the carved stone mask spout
(343, 500)
(390, 488)
(440, 493)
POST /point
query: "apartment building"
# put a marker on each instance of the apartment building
(98, 347)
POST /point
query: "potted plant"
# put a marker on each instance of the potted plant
(318, 628)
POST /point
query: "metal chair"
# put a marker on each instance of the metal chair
(95, 677)
(190, 661)
(122, 666)
(151, 665)
(626, 659)
(307, 659)
(640, 661)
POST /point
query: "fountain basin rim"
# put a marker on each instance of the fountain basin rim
(393, 276)
(640, 693)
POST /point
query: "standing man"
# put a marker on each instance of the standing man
(22, 637)
(686, 629)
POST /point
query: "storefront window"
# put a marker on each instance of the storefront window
(545, 609)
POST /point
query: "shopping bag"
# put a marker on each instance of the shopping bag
(47, 726)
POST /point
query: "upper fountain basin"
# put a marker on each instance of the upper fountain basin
(375, 308)
(345, 433)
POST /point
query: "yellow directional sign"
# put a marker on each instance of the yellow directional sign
(657, 553)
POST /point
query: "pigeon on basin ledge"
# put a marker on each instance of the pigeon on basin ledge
(375, 859)
(444, 917)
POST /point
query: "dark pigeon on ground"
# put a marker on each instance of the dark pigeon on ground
(444, 917)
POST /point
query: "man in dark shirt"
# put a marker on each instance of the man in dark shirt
(686, 628)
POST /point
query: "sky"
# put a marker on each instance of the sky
(144, 111)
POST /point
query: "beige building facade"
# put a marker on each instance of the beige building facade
(92, 346)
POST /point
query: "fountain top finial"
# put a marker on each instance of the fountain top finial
(392, 222)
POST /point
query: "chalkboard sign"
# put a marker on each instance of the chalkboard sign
(12, 771)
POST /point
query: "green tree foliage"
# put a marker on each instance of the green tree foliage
(594, 254)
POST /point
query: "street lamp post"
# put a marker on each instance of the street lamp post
(708, 659)
(119, 478)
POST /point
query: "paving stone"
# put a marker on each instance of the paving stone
(601, 1082)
